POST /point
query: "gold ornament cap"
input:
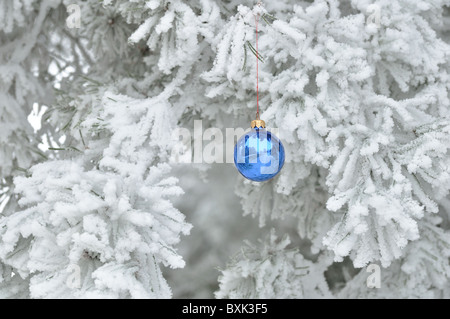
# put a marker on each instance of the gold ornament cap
(258, 123)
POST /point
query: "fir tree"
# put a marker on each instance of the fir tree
(358, 90)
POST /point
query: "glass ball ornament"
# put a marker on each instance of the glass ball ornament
(259, 154)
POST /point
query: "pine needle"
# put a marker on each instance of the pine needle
(260, 58)
(65, 127)
(91, 80)
(82, 139)
(69, 148)
(74, 149)
(96, 194)
(38, 153)
(268, 18)
(244, 67)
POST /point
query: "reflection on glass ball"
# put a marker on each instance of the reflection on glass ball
(259, 155)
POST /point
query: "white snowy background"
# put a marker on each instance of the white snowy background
(359, 90)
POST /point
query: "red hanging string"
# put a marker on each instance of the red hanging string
(257, 75)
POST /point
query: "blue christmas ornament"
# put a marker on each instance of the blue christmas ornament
(259, 154)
